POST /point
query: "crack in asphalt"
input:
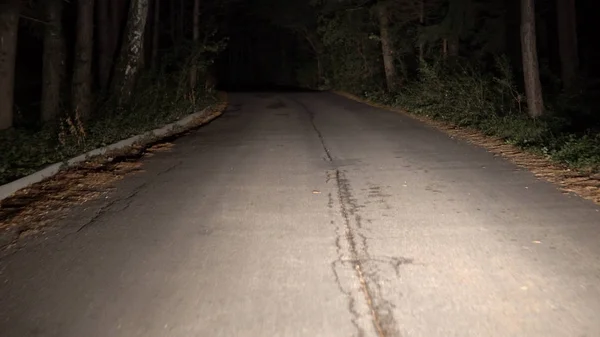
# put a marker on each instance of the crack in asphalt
(311, 115)
(381, 315)
(340, 261)
(104, 209)
(128, 199)
(380, 309)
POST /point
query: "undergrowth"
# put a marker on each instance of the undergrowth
(467, 96)
(160, 98)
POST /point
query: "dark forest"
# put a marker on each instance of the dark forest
(76, 75)
(256, 168)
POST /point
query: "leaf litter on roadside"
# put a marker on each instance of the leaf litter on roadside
(30, 209)
(584, 184)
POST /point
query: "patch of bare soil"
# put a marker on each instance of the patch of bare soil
(586, 185)
(30, 210)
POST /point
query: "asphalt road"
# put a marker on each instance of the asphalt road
(306, 214)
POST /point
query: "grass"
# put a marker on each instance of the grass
(158, 100)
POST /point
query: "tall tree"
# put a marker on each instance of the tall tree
(130, 57)
(106, 42)
(567, 41)
(82, 69)
(196, 38)
(9, 25)
(422, 23)
(53, 60)
(300, 18)
(173, 23)
(110, 14)
(459, 18)
(155, 34)
(386, 46)
(182, 17)
(531, 71)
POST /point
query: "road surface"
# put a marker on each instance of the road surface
(307, 214)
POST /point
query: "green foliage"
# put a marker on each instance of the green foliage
(306, 75)
(466, 95)
(479, 92)
(352, 50)
(159, 98)
(460, 94)
(582, 152)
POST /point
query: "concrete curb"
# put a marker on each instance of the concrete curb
(187, 122)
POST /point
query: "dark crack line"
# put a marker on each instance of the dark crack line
(128, 199)
(340, 261)
(356, 262)
(311, 116)
(106, 208)
(351, 301)
(349, 209)
(381, 308)
(98, 214)
(171, 168)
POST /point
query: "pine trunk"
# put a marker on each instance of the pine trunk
(196, 38)
(9, 25)
(567, 42)
(453, 46)
(445, 48)
(53, 61)
(317, 48)
(181, 19)
(130, 58)
(531, 72)
(106, 32)
(386, 49)
(116, 12)
(173, 24)
(422, 22)
(155, 34)
(82, 69)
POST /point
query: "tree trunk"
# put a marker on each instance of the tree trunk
(82, 69)
(567, 42)
(533, 86)
(445, 48)
(118, 13)
(53, 61)
(181, 19)
(9, 25)
(317, 49)
(130, 58)
(386, 49)
(195, 37)
(453, 48)
(173, 23)
(107, 31)
(422, 22)
(155, 34)
(104, 33)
